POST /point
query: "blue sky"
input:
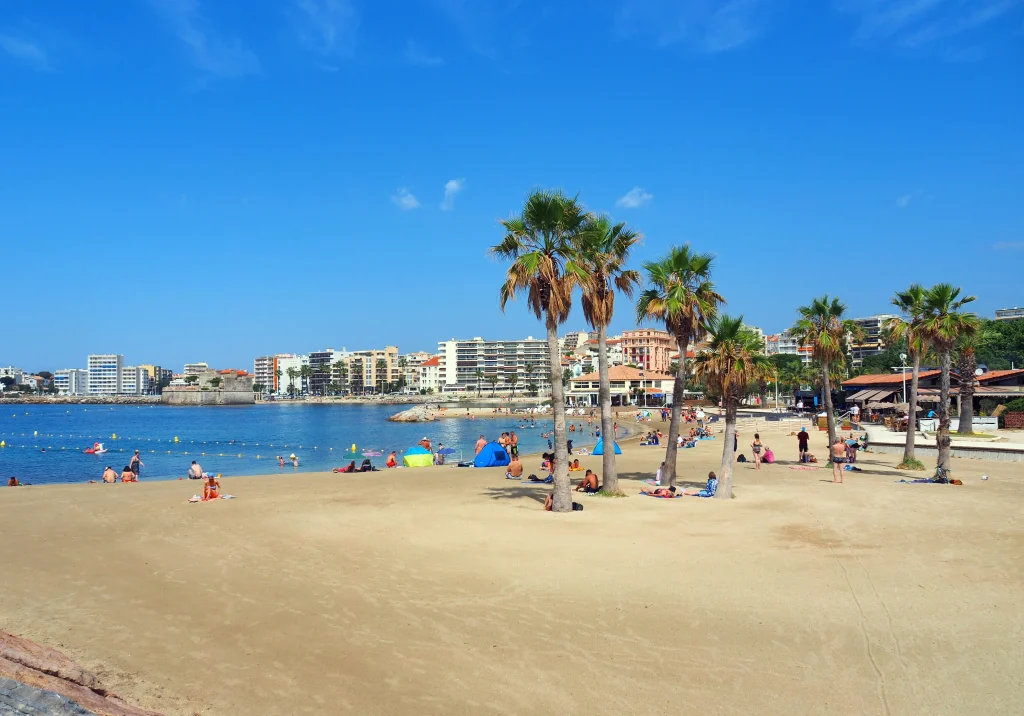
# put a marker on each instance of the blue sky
(199, 180)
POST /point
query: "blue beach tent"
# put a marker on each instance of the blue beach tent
(492, 455)
(599, 448)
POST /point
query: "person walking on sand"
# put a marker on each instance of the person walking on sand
(855, 414)
(136, 464)
(756, 447)
(195, 472)
(837, 456)
(700, 417)
(802, 438)
(480, 443)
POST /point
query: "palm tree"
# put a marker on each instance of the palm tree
(605, 249)
(733, 359)
(967, 349)
(944, 323)
(306, 372)
(479, 378)
(681, 295)
(292, 375)
(531, 385)
(325, 372)
(402, 363)
(493, 380)
(277, 374)
(541, 242)
(512, 379)
(340, 373)
(910, 303)
(823, 327)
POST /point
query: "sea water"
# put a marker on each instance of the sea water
(45, 443)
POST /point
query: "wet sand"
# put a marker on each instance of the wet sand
(449, 591)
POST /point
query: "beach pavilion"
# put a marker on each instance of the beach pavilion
(625, 382)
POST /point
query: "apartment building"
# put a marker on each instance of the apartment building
(195, 368)
(428, 375)
(648, 348)
(1009, 314)
(15, 374)
(105, 373)
(873, 340)
(372, 371)
(130, 380)
(785, 343)
(409, 368)
(71, 381)
(294, 382)
(323, 364)
(459, 362)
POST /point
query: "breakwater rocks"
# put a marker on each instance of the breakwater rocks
(419, 414)
(79, 399)
(36, 679)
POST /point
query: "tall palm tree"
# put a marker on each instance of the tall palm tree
(512, 379)
(277, 374)
(605, 250)
(531, 386)
(306, 373)
(340, 374)
(732, 359)
(910, 303)
(541, 242)
(681, 295)
(822, 326)
(381, 369)
(402, 363)
(479, 379)
(325, 377)
(944, 322)
(493, 380)
(292, 375)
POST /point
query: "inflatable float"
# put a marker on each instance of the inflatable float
(96, 449)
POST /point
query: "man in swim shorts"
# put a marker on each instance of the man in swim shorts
(109, 476)
(837, 456)
(515, 468)
(588, 484)
(195, 472)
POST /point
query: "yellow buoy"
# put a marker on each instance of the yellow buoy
(3, 443)
(113, 436)
(176, 438)
(353, 447)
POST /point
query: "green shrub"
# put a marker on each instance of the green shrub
(1015, 406)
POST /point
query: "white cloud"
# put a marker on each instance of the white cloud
(417, 57)
(904, 201)
(404, 199)
(211, 52)
(25, 51)
(451, 188)
(916, 24)
(1008, 246)
(634, 199)
(705, 26)
(327, 27)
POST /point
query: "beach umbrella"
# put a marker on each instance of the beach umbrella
(447, 451)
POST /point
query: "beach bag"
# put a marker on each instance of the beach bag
(741, 458)
(577, 507)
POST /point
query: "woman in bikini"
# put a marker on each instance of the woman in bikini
(756, 447)
(211, 489)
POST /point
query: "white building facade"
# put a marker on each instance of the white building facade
(105, 373)
(195, 368)
(15, 374)
(135, 380)
(71, 381)
(459, 362)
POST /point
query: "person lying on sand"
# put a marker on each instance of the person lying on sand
(660, 491)
(574, 466)
(211, 489)
(13, 482)
(515, 469)
(588, 484)
(109, 475)
(127, 475)
(351, 467)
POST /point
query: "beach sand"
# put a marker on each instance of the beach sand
(449, 591)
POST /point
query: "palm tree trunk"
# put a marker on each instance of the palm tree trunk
(604, 397)
(967, 365)
(678, 395)
(724, 491)
(561, 497)
(826, 400)
(908, 450)
(943, 442)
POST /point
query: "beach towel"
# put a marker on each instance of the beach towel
(652, 481)
(802, 467)
(546, 481)
(914, 482)
(661, 497)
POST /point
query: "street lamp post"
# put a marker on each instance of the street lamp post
(903, 369)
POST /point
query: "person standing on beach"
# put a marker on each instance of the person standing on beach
(135, 464)
(480, 444)
(513, 444)
(837, 455)
(700, 417)
(756, 447)
(802, 438)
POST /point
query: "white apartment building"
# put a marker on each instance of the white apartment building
(135, 380)
(873, 341)
(460, 361)
(411, 371)
(71, 381)
(195, 368)
(286, 383)
(1009, 314)
(785, 343)
(15, 374)
(572, 341)
(428, 375)
(105, 373)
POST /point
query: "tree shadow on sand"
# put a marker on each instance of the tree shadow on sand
(537, 492)
(641, 476)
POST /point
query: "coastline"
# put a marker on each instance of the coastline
(440, 591)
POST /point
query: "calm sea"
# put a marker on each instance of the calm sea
(44, 443)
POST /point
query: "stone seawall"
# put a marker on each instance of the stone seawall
(208, 397)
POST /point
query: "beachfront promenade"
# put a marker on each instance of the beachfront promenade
(449, 591)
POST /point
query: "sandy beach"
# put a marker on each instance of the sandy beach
(449, 591)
